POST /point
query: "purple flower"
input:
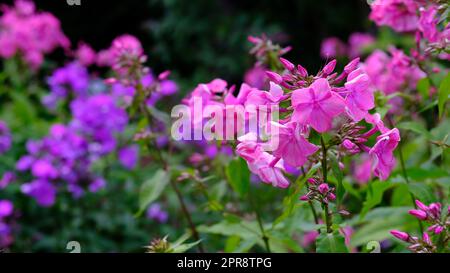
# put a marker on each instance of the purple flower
(128, 156)
(6, 208)
(71, 80)
(5, 138)
(42, 190)
(155, 212)
(7, 178)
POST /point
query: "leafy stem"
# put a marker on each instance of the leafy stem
(328, 218)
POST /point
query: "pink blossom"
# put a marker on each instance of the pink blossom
(398, 14)
(333, 47)
(382, 153)
(258, 97)
(428, 22)
(293, 148)
(126, 44)
(360, 99)
(268, 172)
(358, 42)
(317, 105)
(256, 77)
(30, 33)
(363, 170)
(85, 54)
(248, 148)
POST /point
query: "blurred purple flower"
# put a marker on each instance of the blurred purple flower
(155, 212)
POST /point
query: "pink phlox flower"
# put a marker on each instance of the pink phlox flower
(360, 98)
(317, 105)
(293, 147)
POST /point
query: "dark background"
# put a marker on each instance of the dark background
(203, 39)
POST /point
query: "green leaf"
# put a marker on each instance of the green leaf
(374, 195)
(152, 189)
(290, 201)
(415, 127)
(339, 176)
(239, 176)
(180, 247)
(444, 91)
(423, 192)
(423, 86)
(331, 243)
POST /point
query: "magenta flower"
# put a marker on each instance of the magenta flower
(358, 42)
(428, 22)
(6, 208)
(293, 148)
(258, 97)
(269, 172)
(249, 149)
(29, 32)
(382, 153)
(363, 171)
(85, 54)
(256, 77)
(360, 99)
(398, 14)
(317, 105)
(333, 47)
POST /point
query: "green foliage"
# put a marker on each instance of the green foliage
(331, 243)
(238, 176)
(152, 188)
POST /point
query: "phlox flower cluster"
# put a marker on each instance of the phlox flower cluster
(324, 103)
(65, 157)
(30, 33)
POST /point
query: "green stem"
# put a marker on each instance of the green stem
(328, 218)
(153, 146)
(260, 224)
(405, 176)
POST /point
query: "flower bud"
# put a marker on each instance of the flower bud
(421, 205)
(274, 77)
(302, 71)
(438, 229)
(351, 66)
(400, 235)
(304, 197)
(324, 188)
(435, 209)
(312, 181)
(329, 68)
(164, 75)
(426, 238)
(420, 214)
(331, 196)
(287, 64)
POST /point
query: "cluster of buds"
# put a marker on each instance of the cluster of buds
(418, 245)
(440, 224)
(158, 245)
(297, 76)
(433, 215)
(265, 51)
(318, 191)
